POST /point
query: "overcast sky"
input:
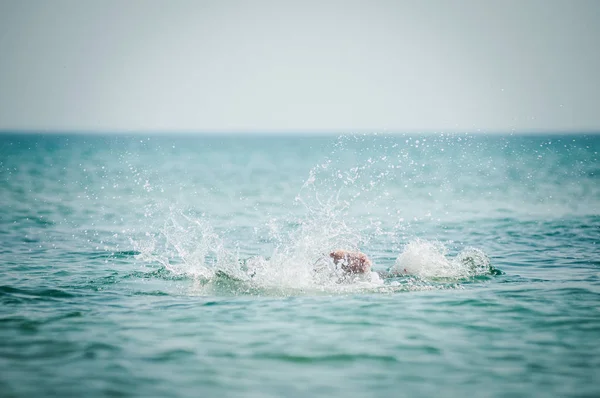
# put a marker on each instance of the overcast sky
(343, 66)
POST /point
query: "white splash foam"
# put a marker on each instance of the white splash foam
(189, 246)
(427, 259)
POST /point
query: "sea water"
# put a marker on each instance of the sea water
(176, 266)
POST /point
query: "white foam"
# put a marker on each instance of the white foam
(427, 259)
(189, 246)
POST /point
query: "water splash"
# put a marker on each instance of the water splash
(188, 246)
(430, 260)
(335, 200)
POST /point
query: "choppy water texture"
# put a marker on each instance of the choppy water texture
(183, 266)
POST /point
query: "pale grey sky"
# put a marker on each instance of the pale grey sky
(346, 66)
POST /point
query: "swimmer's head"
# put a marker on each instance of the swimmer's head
(351, 262)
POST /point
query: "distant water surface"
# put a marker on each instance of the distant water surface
(183, 266)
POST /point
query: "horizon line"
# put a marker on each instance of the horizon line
(311, 132)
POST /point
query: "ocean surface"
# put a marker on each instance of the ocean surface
(186, 266)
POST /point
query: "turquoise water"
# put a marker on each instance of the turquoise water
(183, 266)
